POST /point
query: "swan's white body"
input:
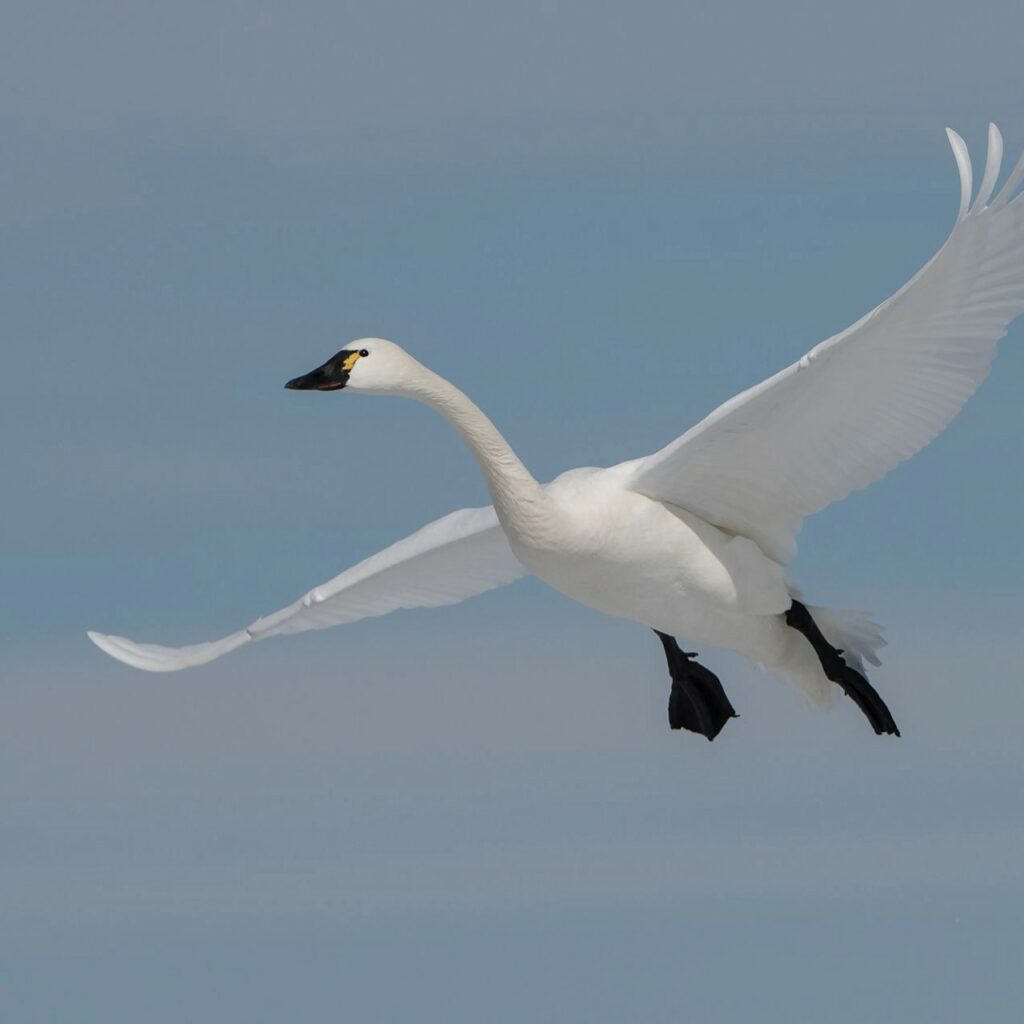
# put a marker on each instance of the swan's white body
(638, 558)
(693, 540)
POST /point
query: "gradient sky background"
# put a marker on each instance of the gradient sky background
(600, 220)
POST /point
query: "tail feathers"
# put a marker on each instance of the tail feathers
(853, 632)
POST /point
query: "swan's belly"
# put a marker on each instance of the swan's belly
(631, 557)
(671, 605)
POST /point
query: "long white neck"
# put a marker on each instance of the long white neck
(519, 500)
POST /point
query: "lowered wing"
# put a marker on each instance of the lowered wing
(453, 558)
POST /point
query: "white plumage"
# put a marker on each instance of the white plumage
(693, 540)
(457, 556)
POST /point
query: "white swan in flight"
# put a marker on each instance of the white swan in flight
(694, 540)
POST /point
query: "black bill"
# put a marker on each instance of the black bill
(332, 376)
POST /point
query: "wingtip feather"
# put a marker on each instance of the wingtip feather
(154, 658)
(993, 162)
(1010, 186)
(963, 165)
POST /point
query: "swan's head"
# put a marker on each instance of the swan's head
(370, 364)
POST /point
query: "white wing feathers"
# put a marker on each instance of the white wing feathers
(449, 560)
(861, 402)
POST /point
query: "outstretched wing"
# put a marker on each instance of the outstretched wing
(861, 402)
(450, 559)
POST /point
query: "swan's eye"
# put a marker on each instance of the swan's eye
(363, 352)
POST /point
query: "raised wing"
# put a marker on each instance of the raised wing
(861, 402)
(450, 559)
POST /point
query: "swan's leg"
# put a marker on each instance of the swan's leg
(697, 701)
(853, 684)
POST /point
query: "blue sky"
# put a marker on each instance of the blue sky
(600, 221)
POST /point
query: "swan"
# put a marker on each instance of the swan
(694, 539)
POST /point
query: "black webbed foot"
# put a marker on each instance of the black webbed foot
(697, 701)
(852, 682)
